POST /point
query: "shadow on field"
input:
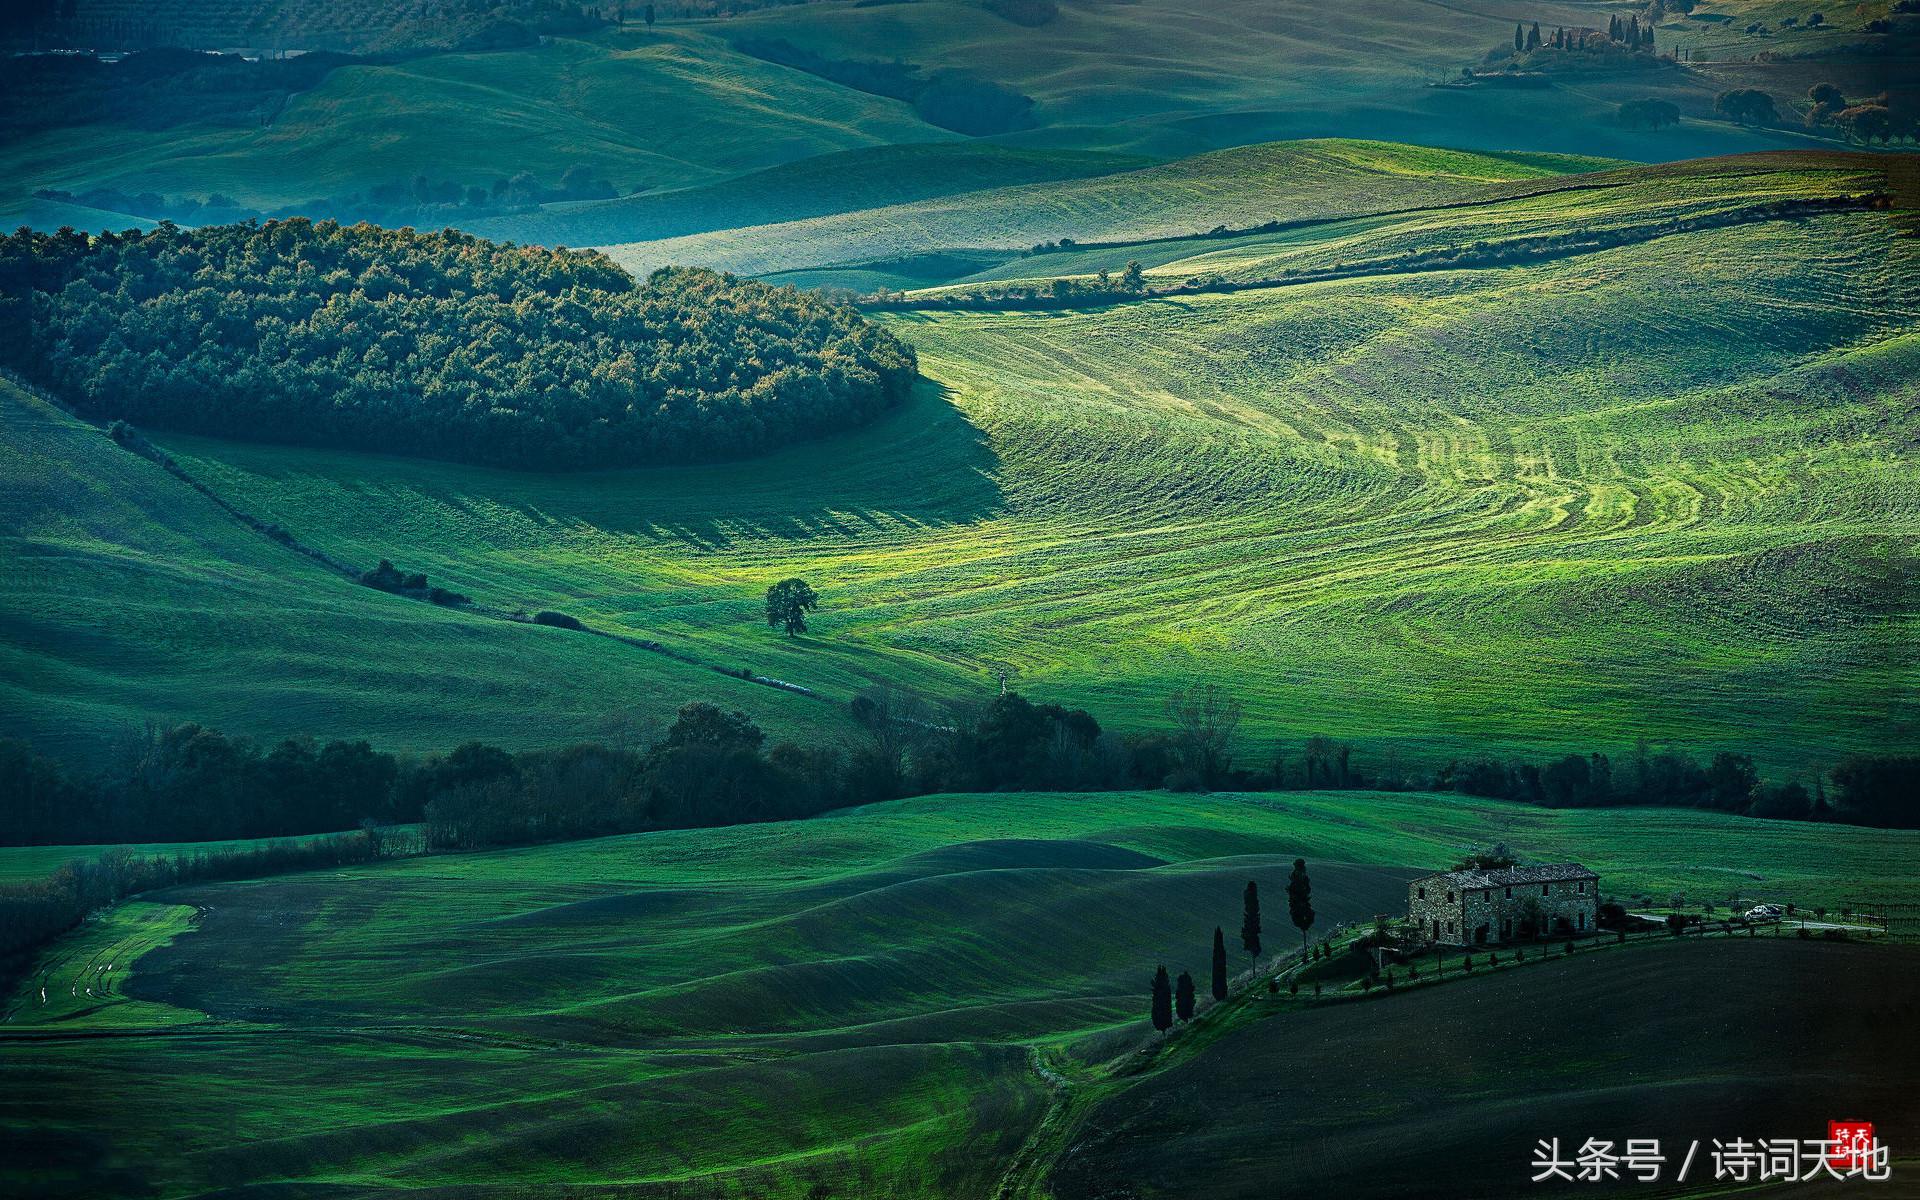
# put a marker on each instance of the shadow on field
(1446, 1090)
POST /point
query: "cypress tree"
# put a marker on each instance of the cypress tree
(1219, 964)
(1162, 1002)
(1300, 899)
(1183, 997)
(1533, 37)
(1250, 921)
(1613, 27)
(1520, 36)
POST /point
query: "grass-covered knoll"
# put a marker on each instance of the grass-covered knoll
(128, 596)
(1173, 76)
(845, 1001)
(1445, 1091)
(1661, 490)
(1525, 220)
(679, 105)
(436, 344)
(668, 108)
(845, 181)
(1249, 185)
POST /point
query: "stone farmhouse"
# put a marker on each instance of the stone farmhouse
(1474, 907)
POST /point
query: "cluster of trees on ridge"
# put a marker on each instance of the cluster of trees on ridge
(713, 767)
(435, 344)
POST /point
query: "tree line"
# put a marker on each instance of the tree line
(715, 767)
(33, 912)
(435, 344)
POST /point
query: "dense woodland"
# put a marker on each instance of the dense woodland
(436, 344)
(712, 767)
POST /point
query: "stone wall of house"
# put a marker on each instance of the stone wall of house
(1448, 914)
(1438, 912)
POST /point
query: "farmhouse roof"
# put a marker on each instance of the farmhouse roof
(1508, 876)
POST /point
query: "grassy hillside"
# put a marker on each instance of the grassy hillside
(1244, 186)
(1175, 76)
(1661, 490)
(1447, 1091)
(680, 105)
(129, 597)
(847, 1002)
(850, 180)
(670, 108)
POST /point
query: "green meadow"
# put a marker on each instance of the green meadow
(681, 105)
(849, 1003)
(1659, 490)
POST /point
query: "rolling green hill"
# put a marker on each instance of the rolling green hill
(1539, 507)
(1447, 1091)
(473, 118)
(850, 1003)
(681, 105)
(130, 597)
(1243, 186)
(850, 180)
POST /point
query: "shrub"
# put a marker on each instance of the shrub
(558, 620)
(1293, 988)
(1569, 949)
(1676, 924)
(1273, 987)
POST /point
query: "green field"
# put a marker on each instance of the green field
(1249, 185)
(680, 105)
(846, 1002)
(1448, 1090)
(1659, 490)
(133, 598)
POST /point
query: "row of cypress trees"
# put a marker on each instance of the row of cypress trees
(1173, 999)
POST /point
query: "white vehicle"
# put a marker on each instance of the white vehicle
(1765, 912)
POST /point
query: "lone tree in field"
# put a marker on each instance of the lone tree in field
(1205, 720)
(1131, 280)
(1162, 1002)
(1183, 997)
(788, 603)
(1250, 921)
(1300, 899)
(1219, 964)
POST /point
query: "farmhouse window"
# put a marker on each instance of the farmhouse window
(1423, 893)
(1583, 920)
(1580, 887)
(1449, 897)
(1509, 893)
(1449, 926)
(1545, 888)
